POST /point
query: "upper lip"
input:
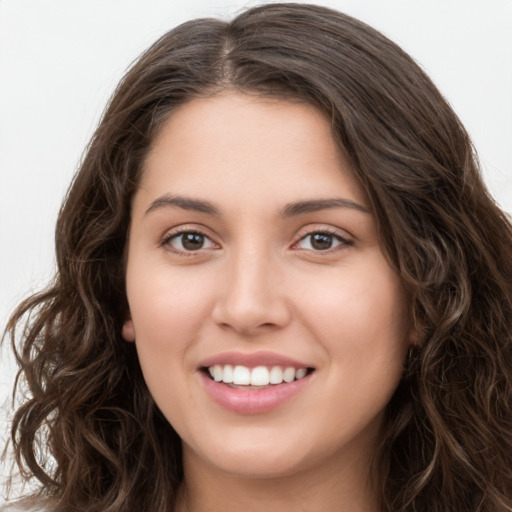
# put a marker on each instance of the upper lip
(253, 359)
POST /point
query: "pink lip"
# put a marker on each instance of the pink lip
(251, 400)
(252, 360)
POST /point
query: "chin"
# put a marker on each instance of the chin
(255, 458)
(262, 466)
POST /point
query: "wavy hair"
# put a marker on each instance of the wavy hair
(88, 429)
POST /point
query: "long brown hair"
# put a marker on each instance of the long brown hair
(89, 430)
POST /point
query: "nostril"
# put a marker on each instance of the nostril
(268, 325)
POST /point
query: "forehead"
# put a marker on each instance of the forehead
(244, 145)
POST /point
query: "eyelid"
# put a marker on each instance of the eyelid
(341, 235)
(183, 229)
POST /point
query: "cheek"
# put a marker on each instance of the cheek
(361, 322)
(359, 314)
(168, 308)
(168, 311)
(166, 298)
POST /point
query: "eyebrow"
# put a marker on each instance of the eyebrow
(290, 210)
(185, 203)
(315, 205)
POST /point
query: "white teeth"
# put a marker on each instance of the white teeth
(241, 376)
(300, 373)
(258, 376)
(276, 375)
(218, 373)
(289, 374)
(228, 374)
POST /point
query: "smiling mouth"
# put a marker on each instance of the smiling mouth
(259, 377)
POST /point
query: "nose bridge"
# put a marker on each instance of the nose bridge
(252, 296)
(251, 270)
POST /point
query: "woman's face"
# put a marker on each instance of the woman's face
(253, 256)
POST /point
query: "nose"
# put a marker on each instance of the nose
(252, 297)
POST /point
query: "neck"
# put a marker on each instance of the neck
(327, 487)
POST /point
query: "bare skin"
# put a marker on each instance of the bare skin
(251, 238)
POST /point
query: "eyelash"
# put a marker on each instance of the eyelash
(343, 242)
(166, 242)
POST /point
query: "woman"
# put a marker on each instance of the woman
(281, 284)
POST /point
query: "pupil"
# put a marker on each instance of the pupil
(193, 241)
(321, 241)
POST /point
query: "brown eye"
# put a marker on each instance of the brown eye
(192, 241)
(321, 241)
(189, 241)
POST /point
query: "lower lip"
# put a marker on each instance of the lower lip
(253, 401)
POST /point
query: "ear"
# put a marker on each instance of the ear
(128, 331)
(413, 337)
(415, 333)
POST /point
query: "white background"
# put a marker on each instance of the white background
(60, 60)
